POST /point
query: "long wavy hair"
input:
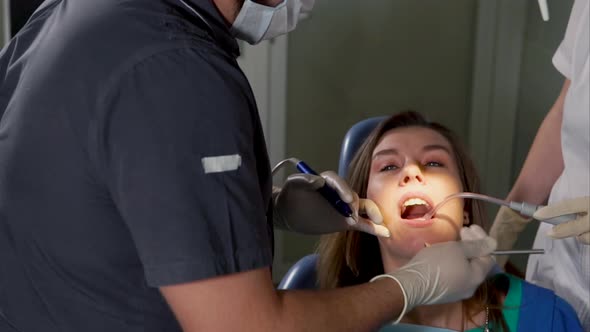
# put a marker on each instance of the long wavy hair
(351, 257)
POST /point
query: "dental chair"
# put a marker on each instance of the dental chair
(302, 275)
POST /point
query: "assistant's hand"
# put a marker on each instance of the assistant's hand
(299, 207)
(578, 228)
(505, 230)
(446, 272)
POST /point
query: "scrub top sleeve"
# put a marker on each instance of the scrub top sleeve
(562, 59)
(176, 144)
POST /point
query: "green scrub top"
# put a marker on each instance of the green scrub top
(511, 305)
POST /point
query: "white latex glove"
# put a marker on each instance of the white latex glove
(580, 227)
(299, 207)
(505, 230)
(445, 272)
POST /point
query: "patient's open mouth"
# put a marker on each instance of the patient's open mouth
(413, 207)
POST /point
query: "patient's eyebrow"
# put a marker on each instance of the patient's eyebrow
(432, 147)
(426, 148)
(385, 152)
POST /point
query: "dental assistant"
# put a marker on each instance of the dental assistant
(135, 186)
(558, 168)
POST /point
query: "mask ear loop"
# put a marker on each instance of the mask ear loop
(194, 11)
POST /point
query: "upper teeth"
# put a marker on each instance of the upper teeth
(415, 201)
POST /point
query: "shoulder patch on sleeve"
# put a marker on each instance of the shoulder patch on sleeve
(219, 164)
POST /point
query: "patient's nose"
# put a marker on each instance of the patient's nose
(412, 174)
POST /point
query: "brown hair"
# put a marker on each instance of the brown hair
(350, 257)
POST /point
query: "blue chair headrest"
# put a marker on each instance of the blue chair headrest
(302, 275)
(353, 140)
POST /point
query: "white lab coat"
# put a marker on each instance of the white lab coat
(565, 267)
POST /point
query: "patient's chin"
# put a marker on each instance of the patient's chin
(406, 244)
(400, 247)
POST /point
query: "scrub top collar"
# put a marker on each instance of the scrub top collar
(206, 11)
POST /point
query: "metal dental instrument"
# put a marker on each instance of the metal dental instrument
(523, 208)
(511, 252)
(518, 252)
(326, 191)
(526, 209)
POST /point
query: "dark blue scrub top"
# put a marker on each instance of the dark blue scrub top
(109, 110)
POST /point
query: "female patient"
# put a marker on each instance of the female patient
(407, 166)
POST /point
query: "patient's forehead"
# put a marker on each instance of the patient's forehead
(413, 137)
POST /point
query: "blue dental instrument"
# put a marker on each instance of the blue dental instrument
(326, 191)
(329, 194)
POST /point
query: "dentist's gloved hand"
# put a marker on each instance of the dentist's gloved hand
(445, 272)
(299, 207)
(580, 227)
(505, 230)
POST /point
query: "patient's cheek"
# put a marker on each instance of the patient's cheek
(389, 220)
(448, 223)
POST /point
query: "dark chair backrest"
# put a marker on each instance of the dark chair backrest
(302, 275)
(353, 140)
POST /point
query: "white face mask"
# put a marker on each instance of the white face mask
(257, 22)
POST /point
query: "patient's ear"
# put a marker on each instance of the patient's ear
(465, 218)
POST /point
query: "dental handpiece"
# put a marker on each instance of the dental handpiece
(329, 194)
(520, 207)
(526, 209)
(326, 191)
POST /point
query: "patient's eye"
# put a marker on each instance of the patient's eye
(434, 164)
(389, 167)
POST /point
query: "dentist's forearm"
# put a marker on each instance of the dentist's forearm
(359, 308)
(247, 301)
